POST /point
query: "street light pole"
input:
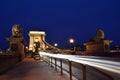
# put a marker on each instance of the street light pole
(71, 40)
(56, 49)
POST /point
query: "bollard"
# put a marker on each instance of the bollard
(55, 64)
(51, 62)
(61, 66)
(70, 70)
(83, 72)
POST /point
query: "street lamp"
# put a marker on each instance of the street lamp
(55, 44)
(71, 40)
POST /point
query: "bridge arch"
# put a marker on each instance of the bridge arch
(38, 36)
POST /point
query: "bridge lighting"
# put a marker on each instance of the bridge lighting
(37, 32)
(36, 40)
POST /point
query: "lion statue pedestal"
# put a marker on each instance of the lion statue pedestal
(17, 42)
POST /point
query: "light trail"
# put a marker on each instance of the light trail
(109, 65)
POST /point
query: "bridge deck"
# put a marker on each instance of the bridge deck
(29, 69)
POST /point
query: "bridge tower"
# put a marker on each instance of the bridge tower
(38, 36)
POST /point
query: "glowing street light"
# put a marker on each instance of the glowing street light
(55, 44)
(71, 40)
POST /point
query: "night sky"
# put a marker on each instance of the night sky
(61, 19)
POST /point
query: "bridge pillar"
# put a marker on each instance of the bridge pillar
(38, 36)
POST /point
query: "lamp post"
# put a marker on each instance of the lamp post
(56, 44)
(71, 40)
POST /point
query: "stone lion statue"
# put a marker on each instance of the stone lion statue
(100, 34)
(16, 31)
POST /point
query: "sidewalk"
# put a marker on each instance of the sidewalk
(30, 69)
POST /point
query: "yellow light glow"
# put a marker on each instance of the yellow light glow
(30, 48)
(36, 40)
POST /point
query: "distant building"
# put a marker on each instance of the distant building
(98, 43)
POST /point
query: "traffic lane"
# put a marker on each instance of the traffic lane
(34, 70)
(92, 73)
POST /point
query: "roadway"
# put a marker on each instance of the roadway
(98, 68)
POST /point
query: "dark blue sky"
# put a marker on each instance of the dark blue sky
(61, 19)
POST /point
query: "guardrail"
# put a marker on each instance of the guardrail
(108, 64)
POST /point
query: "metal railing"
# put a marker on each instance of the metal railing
(110, 65)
